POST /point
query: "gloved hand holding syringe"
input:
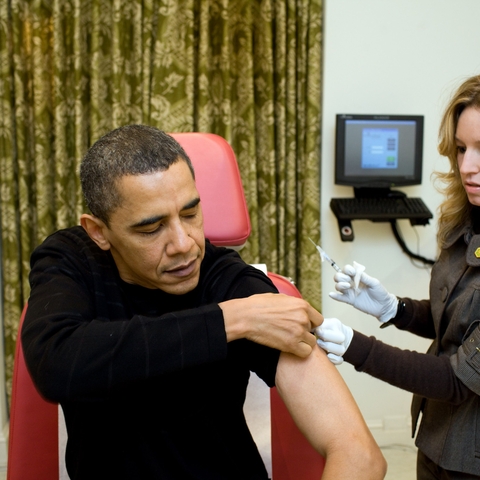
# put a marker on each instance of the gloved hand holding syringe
(360, 290)
(332, 335)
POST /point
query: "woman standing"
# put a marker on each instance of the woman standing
(446, 380)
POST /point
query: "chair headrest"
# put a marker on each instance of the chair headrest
(226, 218)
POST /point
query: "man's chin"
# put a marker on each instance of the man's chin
(181, 288)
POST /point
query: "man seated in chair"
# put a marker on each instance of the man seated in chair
(146, 334)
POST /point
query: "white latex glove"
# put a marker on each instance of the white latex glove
(368, 296)
(334, 337)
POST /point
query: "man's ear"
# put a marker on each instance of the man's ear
(96, 230)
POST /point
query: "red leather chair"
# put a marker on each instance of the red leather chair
(33, 438)
(33, 435)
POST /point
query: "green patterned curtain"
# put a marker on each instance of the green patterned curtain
(71, 70)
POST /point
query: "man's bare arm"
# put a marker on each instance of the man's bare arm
(326, 413)
(275, 320)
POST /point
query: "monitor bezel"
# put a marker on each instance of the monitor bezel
(385, 181)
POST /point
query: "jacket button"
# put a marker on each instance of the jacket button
(444, 293)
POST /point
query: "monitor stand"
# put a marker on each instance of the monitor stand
(372, 192)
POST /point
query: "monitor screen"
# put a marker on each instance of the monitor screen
(378, 151)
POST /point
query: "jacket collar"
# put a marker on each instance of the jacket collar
(462, 230)
(472, 240)
(473, 252)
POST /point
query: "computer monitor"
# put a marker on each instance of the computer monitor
(378, 151)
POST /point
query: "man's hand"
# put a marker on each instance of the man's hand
(275, 320)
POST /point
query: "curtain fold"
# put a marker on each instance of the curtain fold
(248, 70)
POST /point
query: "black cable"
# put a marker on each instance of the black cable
(404, 247)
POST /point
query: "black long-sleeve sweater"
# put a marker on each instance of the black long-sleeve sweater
(148, 384)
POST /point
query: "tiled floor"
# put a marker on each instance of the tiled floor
(401, 461)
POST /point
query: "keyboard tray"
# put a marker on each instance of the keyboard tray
(381, 209)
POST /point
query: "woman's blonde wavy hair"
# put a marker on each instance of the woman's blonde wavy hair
(455, 209)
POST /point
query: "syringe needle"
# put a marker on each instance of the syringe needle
(324, 256)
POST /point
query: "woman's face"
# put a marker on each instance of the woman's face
(467, 137)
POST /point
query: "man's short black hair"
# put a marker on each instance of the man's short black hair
(128, 150)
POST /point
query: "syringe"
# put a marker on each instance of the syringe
(324, 256)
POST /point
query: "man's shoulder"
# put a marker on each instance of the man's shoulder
(69, 244)
(73, 235)
(225, 275)
(222, 261)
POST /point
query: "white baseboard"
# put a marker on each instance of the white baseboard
(4, 447)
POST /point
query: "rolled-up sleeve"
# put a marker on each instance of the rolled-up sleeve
(466, 362)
